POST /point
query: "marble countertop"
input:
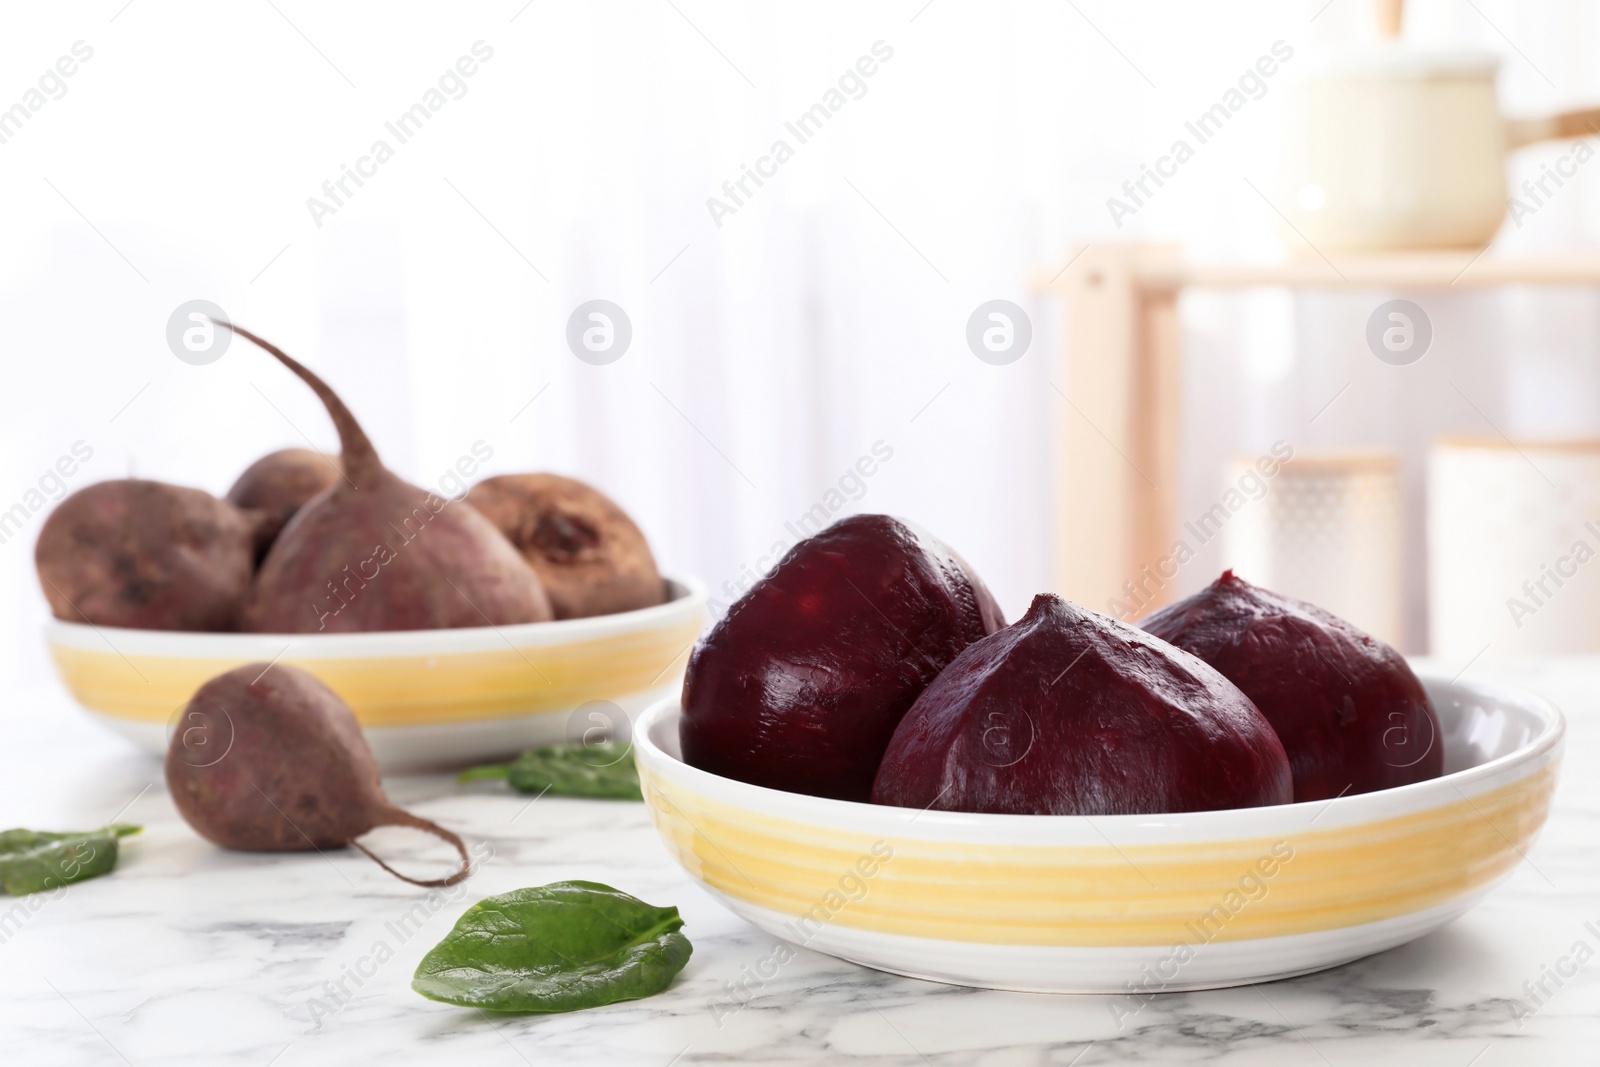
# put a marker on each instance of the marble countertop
(192, 955)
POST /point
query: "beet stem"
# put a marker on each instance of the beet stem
(393, 816)
(361, 463)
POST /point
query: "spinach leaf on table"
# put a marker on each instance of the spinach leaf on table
(559, 947)
(576, 770)
(31, 861)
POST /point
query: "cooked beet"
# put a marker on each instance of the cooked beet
(278, 484)
(265, 758)
(1347, 708)
(146, 555)
(590, 555)
(799, 686)
(1069, 712)
(375, 552)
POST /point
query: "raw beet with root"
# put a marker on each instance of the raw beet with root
(1350, 713)
(590, 555)
(374, 552)
(277, 485)
(799, 686)
(265, 758)
(146, 555)
(1069, 712)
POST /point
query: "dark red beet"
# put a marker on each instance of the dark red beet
(277, 485)
(1350, 713)
(1069, 712)
(265, 758)
(374, 552)
(801, 684)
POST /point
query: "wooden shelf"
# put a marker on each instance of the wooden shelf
(1120, 371)
(1392, 270)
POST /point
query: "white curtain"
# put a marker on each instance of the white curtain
(772, 347)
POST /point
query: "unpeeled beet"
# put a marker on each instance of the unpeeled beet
(1350, 712)
(146, 555)
(277, 485)
(374, 552)
(1069, 712)
(266, 758)
(799, 686)
(591, 557)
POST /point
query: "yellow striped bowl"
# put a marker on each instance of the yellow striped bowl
(1123, 904)
(423, 697)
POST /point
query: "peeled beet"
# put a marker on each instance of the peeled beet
(1069, 712)
(265, 758)
(374, 552)
(277, 485)
(591, 557)
(1347, 708)
(799, 686)
(146, 555)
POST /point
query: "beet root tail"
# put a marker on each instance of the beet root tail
(360, 460)
(393, 816)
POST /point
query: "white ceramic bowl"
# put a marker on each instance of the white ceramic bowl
(1128, 904)
(423, 697)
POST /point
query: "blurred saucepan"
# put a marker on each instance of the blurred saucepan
(1396, 147)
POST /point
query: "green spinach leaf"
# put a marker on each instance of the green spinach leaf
(559, 947)
(31, 862)
(600, 770)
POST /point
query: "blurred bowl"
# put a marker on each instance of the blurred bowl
(424, 697)
(1123, 904)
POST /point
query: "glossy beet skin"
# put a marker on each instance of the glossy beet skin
(801, 684)
(1347, 708)
(1069, 712)
(374, 552)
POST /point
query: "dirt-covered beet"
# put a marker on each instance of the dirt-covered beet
(591, 556)
(146, 555)
(374, 552)
(277, 485)
(266, 758)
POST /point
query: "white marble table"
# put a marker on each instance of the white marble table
(191, 955)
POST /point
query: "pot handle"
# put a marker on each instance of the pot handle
(1580, 123)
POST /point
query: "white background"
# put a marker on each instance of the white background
(769, 353)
